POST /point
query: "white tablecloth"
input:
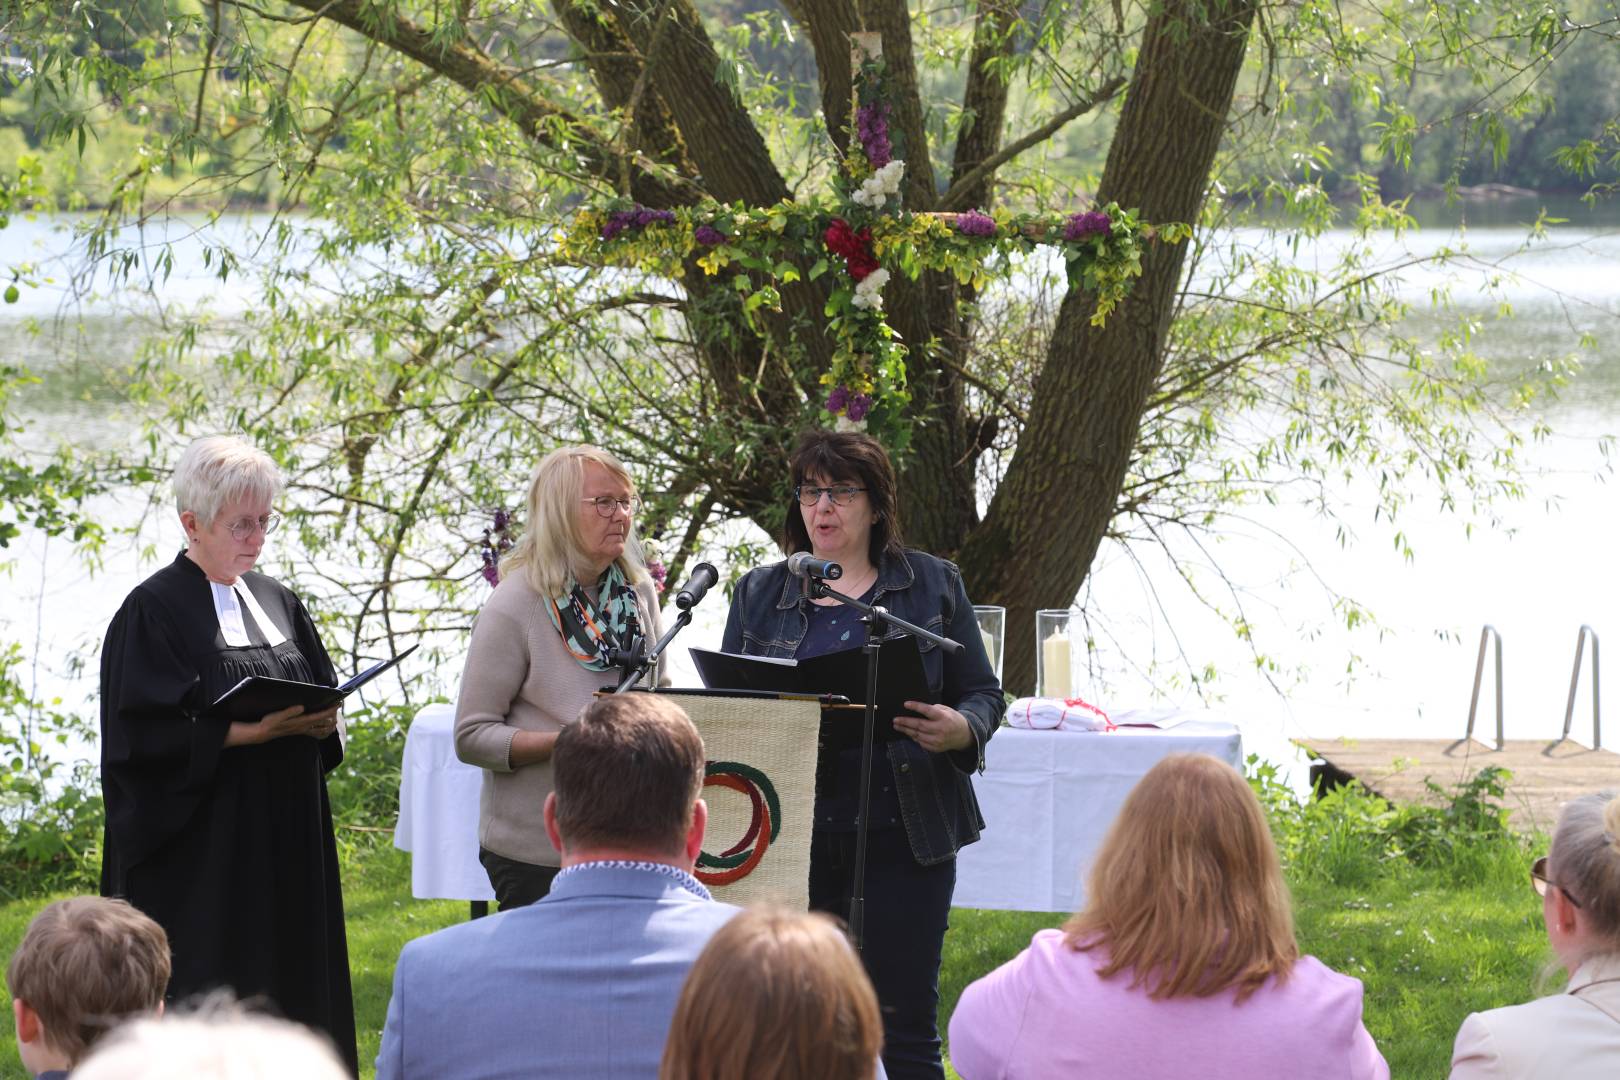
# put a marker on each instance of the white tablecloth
(1048, 798)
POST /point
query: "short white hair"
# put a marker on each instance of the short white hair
(217, 470)
(221, 1042)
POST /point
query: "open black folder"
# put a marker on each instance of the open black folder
(900, 678)
(257, 695)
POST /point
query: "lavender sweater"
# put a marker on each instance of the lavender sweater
(1046, 1013)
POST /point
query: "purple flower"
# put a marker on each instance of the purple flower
(859, 406)
(872, 128)
(973, 223)
(708, 235)
(1091, 223)
(639, 218)
(491, 569)
(837, 400)
(659, 572)
(502, 519)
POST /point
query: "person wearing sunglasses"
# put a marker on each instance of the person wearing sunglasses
(573, 591)
(844, 507)
(220, 830)
(1574, 1035)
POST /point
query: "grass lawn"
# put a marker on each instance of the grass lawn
(1429, 950)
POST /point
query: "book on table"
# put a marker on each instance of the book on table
(258, 695)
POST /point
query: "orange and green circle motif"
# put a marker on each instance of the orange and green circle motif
(739, 860)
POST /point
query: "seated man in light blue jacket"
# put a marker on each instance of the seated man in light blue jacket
(584, 982)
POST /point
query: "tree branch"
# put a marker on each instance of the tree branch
(961, 189)
(505, 90)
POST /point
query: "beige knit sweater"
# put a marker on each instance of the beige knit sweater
(519, 675)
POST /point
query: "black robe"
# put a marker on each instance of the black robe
(230, 850)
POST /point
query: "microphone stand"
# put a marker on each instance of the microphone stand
(636, 661)
(877, 620)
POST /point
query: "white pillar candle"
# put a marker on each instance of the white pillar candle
(1055, 667)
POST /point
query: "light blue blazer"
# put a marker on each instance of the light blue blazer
(581, 984)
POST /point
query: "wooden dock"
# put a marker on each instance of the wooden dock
(1545, 774)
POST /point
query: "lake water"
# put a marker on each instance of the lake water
(1546, 570)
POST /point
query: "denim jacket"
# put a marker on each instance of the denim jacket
(769, 618)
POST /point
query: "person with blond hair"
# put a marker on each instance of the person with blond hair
(573, 590)
(220, 829)
(1182, 961)
(779, 994)
(84, 965)
(1574, 1035)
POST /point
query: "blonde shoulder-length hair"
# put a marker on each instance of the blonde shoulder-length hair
(551, 550)
(1187, 893)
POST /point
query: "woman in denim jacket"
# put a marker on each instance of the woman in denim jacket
(922, 805)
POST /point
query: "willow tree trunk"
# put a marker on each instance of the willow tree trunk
(1054, 506)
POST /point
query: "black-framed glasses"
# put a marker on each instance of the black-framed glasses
(1541, 882)
(243, 528)
(607, 505)
(840, 494)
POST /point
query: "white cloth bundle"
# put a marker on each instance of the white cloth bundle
(1057, 714)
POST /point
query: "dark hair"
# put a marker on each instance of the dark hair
(627, 774)
(847, 455)
(85, 964)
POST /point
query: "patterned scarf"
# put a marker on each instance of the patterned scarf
(592, 631)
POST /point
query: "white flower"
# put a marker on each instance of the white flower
(888, 177)
(869, 290)
(844, 423)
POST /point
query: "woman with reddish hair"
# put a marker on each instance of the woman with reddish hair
(1182, 962)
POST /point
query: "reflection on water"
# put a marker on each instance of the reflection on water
(1546, 570)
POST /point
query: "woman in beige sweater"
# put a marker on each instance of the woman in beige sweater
(572, 589)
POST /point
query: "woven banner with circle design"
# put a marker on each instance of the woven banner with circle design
(760, 790)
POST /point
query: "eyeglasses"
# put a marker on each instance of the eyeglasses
(842, 495)
(607, 505)
(1541, 882)
(246, 527)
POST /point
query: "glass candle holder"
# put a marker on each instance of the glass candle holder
(993, 631)
(1059, 646)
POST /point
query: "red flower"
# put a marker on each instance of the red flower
(855, 248)
(860, 264)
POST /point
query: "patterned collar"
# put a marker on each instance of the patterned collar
(681, 877)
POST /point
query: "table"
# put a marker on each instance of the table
(1048, 798)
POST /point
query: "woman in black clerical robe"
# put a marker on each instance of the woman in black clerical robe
(221, 831)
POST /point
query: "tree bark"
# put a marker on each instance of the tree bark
(1053, 507)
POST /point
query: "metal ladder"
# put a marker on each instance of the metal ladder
(1488, 634)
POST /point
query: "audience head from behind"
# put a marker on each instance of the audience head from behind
(1187, 892)
(779, 994)
(627, 775)
(1182, 959)
(1580, 882)
(85, 964)
(1573, 1035)
(584, 981)
(218, 1040)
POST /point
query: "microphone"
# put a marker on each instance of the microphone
(805, 565)
(703, 578)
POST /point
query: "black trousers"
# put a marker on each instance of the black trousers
(516, 884)
(908, 909)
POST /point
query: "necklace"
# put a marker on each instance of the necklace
(848, 586)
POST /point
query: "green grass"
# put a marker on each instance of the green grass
(1430, 945)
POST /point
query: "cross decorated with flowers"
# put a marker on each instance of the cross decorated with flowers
(857, 239)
